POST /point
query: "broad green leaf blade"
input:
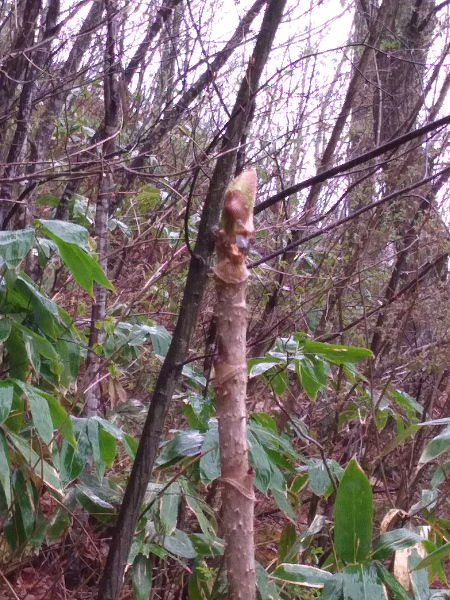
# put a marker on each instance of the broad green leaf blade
(437, 446)
(419, 577)
(108, 445)
(5, 329)
(319, 479)
(161, 339)
(83, 267)
(185, 443)
(40, 411)
(74, 459)
(277, 379)
(433, 557)
(210, 461)
(301, 575)
(45, 311)
(72, 241)
(304, 538)
(96, 506)
(389, 580)
(258, 366)
(361, 583)
(92, 432)
(280, 497)
(288, 538)
(197, 506)
(61, 420)
(267, 589)
(141, 575)
(65, 231)
(178, 543)
(406, 401)
(307, 378)
(333, 588)
(169, 504)
(258, 459)
(353, 515)
(58, 523)
(205, 545)
(14, 246)
(335, 353)
(6, 399)
(5, 468)
(396, 539)
(40, 467)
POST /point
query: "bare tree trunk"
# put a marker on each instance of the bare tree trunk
(106, 191)
(230, 384)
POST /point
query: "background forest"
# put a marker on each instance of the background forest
(121, 125)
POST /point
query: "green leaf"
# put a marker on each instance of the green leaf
(353, 515)
(5, 329)
(335, 353)
(108, 445)
(333, 588)
(419, 577)
(95, 505)
(161, 339)
(433, 557)
(178, 543)
(59, 521)
(61, 420)
(267, 590)
(319, 479)
(40, 467)
(195, 504)
(65, 231)
(307, 378)
(361, 583)
(278, 380)
(40, 412)
(437, 446)
(258, 366)
(288, 538)
(205, 545)
(74, 459)
(130, 445)
(394, 540)
(45, 311)
(210, 461)
(92, 433)
(6, 399)
(169, 504)
(5, 468)
(83, 267)
(141, 576)
(388, 579)
(185, 443)
(406, 401)
(15, 245)
(148, 197)
(72, 241)
(282, 502)
(301, 575)
(258, 459)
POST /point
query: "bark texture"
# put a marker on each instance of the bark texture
(230, 385)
